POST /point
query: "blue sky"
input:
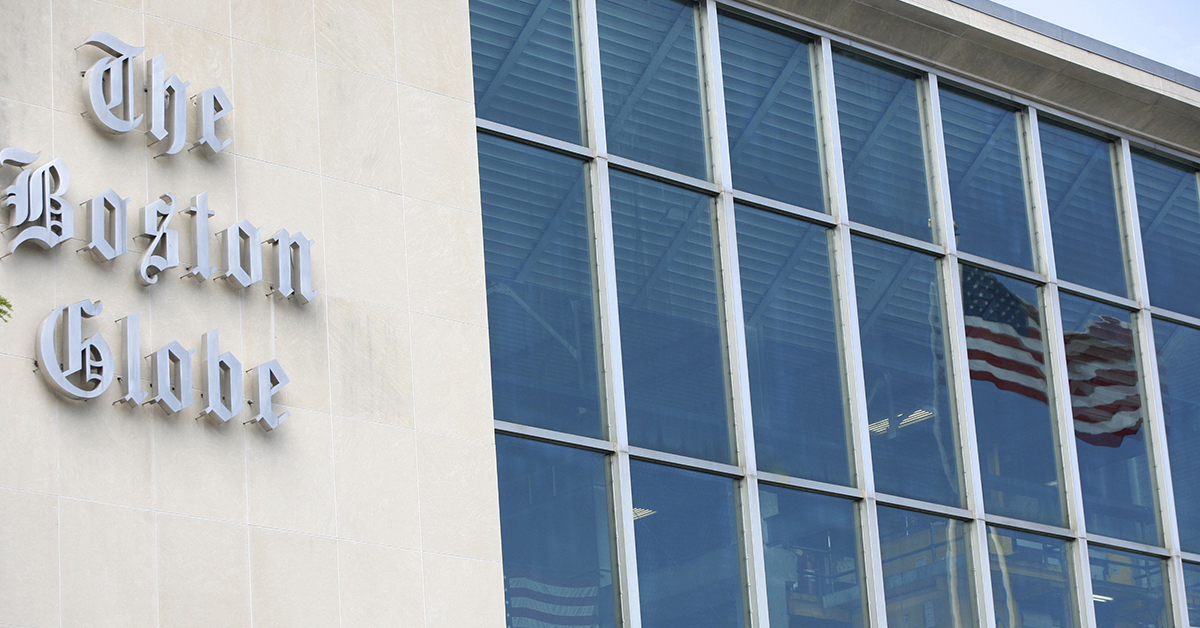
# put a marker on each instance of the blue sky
(1163, 30)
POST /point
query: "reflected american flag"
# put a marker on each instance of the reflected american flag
(535, 604)
(1005, 347)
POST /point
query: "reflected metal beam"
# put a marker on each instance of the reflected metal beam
(892, 109)
(514, 53)
(547, 236)
(889, 292)
(1162, 214)
(643, 82)
(769, 100)
(1101, 151)
(778, 281)
(984, 152)
(676, 243)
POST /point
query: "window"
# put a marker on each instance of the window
(784, 328)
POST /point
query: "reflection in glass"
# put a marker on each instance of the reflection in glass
(882, 151)
(554, 525)
(904, 362)
(814, 575)
(1030, 580)
(670, 333)
(792, 347)
(525, 72)
(539, 287)
(769, 106)
(1178, 349)
(1013, 423)
(1127, 589)
(1114, 465)
(1191, 581)
(688, 561)
(926, 580)
(1083, 209)
(987, 186)
(648, 63)
(1169, 213)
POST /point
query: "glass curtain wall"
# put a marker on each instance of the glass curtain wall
(789, 332)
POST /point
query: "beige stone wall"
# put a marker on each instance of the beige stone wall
(375, 503)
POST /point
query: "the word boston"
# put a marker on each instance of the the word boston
(83, 369)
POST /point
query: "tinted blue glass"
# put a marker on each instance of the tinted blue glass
(525, 72)
(539, 286)
(1083, 209)
(670, 333)
(769, 106)
(1114, 464)
(1169, 212)
(792, 346)
(651, 83)
(1191, 580)
(814, 568)
(926, 581)
(554, 524)
(688, 561)
(987, 187)
(882, 150)
(1178, 349)
(1031, 583)
(1013, 424)
(904, 361)
(1127, 589)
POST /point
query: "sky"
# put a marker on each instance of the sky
(1163, 30)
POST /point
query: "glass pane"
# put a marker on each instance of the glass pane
(926, 582)
(1030, 580)
(1083, 209)
(1191, 580)
(525, 73)
(769, 106)
(1178, 349)
(1114, 465)
(688, 561)
(792, 346)
(670, 331)
(814, 569)
(904, 360)
(1013, 424)
(554, 524)
(541, 319)
(882, 151)
(987, 186)
(1169, 212)
(651, 83)
(1127, 589)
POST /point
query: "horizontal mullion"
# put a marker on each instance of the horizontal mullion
(811, 486)
(531, 138)
(924, 507)
(1190, 557)
(1175, 317)
(1097, 295)
(686, 462)
(763, 202)
(551, 436)
(1002, 268)
(883, 235)
(1129, 546)
(1030, 526)
(662, 174)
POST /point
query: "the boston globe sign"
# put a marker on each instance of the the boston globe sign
(81, 367)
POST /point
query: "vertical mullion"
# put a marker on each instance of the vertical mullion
(737, 376)
(1154, 419)
(956, 347)
(625, 570)
(1058, 382)
(846, 309)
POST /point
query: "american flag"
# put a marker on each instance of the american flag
(535, 604)
(1004, 347)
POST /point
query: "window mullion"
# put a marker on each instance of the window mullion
(1056, 361)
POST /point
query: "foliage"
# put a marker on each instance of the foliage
(5, 309)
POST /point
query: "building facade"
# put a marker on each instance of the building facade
(551, 313)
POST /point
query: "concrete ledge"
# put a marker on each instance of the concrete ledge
(1020, 54)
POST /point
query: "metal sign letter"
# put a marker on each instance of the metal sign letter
(202, 269)
(108, 85)
(269, 379)
(171, 378)
(61, 360)
(163, 252)
(214, 104)
(36, 199)
(222, 387)
(132, 384)
(242, 244)
(108, 226)
(293, 268)
(166, 103)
